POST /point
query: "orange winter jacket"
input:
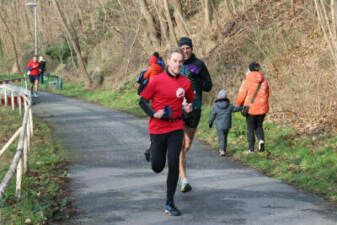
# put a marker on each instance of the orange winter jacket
(247, 91)
(154, 69)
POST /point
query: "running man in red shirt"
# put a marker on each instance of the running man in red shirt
(166, 127)
(34, 75)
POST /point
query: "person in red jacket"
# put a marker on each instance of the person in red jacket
(155, 68)
(258, 109)
(166, 127)
(34, 75)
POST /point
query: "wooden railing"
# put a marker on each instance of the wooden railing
(19, 164)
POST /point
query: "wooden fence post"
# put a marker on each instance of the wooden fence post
(6, 102)
(18, 179)
(19, 103)
(25, 155)
(12, 100)
(19, 164)
(31, 122)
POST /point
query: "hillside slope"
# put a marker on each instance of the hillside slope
(285, 39)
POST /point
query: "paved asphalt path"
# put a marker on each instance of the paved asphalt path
(112, 183)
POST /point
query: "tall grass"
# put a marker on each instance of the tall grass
(43, 198)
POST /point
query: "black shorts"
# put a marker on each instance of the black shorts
(192, 119)
(34, 78)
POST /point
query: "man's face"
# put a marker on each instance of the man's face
(187, 51)
(34, 59)
(175, 63)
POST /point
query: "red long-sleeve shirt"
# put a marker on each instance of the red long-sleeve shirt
(33, 68)
(165, 90)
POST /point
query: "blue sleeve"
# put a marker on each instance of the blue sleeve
(236, 108)
(212, 117)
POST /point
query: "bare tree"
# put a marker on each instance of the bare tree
(150, 23)
(209, 11)
(227, 8)
(233, 7)
(12, 38)
(74, 42)
(179, 18)
(163, 24)
(328, 24)
(173, 37)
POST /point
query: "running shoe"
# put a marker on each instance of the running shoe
(222, 153)
(170, 209)
(186, 187)
(261, 146)
(147, 155)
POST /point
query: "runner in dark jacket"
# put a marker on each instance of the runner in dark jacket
(196, 70)
(43, 68)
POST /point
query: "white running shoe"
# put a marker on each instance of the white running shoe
(261, 146)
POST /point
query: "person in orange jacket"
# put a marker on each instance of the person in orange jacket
(155, 68)
(258, 109)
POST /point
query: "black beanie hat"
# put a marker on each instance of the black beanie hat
(254, 66)
(156, 54)
(185, 41)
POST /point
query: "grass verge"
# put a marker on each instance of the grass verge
(307, 162)
(8, 77)
(44, 200)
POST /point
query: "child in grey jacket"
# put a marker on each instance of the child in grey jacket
(222, 114)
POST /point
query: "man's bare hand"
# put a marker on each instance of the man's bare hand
(188, 107)
(159, 114)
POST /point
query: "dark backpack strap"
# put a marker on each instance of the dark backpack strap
(257, 90)
(173, 119)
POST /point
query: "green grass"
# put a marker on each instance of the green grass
(308, 162)
(8, 77)
(43, 199)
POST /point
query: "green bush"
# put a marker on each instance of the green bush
(60, 52)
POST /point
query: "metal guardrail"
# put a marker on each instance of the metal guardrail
(19, 164)
(51, 79)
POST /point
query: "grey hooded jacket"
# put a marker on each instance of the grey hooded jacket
(222, 114)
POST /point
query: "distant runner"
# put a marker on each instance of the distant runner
(43, 63)
(33, 72)
(166, 127)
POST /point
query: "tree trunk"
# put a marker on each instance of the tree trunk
(124, 12)
(150, 23)
(233, 7)
(178, 15)
(75, 45)
(12, 38)
(163, 26)
(209, 9)
(173, 37)
(227, 8)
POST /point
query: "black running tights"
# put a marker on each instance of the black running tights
(171, 143)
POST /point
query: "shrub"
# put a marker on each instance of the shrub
(60, 52)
